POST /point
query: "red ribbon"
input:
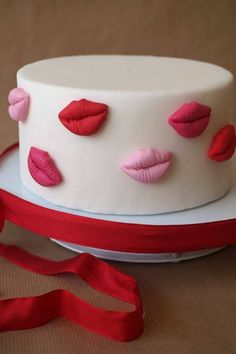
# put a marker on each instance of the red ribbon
(34, 311)
(134, 238)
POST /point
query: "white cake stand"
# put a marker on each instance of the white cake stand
(14, 196)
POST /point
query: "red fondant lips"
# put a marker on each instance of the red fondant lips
(190, 120)
(223, 144)
(42, 168)
(83, 117)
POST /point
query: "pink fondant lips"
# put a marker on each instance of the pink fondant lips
(42, 168)
(83, 117)
(147, 165)
(190, 120)
(18, 104)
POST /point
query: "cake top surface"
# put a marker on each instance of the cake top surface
(126, 73)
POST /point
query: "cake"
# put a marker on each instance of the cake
(132, 135)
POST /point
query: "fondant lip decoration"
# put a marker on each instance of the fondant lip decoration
(147, 165)
(83, 117)
(190, 120)
(18, 101)
(42, 168)
(223, 144)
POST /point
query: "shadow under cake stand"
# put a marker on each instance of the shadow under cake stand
(171, 237)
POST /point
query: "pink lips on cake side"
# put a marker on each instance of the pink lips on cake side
(83, 117)
(42, 168)
(18, 101)
(191, 119)
(147, 165)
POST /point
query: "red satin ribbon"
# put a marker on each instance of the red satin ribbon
(34, 311)
(117, 236)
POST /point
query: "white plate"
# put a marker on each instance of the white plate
(138, 257)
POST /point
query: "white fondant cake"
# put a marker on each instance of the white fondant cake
(143, 135)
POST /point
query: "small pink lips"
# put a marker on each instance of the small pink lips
(223, 145)
(190, 120)
(147, 165)
(18, 101)
(42, 168)
(83, 117)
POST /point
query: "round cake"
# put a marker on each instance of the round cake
(125, 134)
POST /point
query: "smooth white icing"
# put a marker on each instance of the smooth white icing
(141, 92)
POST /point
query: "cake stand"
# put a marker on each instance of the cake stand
(171, 237)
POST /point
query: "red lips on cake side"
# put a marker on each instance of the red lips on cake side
(190, 120)
(223, 144)
(42, 168)
(83, 117)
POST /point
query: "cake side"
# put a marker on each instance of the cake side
(136, 157)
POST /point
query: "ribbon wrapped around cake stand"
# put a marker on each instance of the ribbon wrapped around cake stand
(153, 238)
